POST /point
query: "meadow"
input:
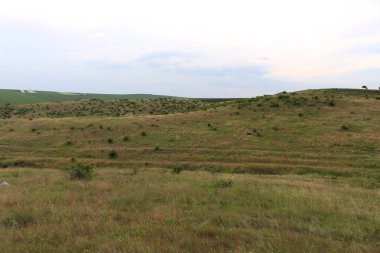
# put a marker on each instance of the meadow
(292, 172)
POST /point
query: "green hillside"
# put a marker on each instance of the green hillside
(292, 172)
(18, 97)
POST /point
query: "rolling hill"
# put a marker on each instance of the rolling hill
(291, 172)
(29, 97)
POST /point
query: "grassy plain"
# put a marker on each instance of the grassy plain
(295, 172)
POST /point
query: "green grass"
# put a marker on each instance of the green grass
(17, 97)
(303, 184)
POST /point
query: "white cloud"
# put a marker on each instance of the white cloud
(305, 41)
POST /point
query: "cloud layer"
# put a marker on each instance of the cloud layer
(189, 48)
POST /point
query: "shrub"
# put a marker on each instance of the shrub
(126, 138)
(112, 154)
(110, 141)
(143, 133)
(331, 103)
(223, 183)
(345, 128)
(81, 171)
(177, 168)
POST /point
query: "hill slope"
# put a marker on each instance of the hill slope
(29, 97)
(293, 172)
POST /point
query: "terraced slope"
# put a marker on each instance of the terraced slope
(307, 132)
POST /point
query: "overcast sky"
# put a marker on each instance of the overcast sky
(198, 48)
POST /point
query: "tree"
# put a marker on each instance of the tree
(364, 87)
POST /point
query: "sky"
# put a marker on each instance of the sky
(197, 48)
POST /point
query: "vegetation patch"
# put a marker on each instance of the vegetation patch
(81, 172)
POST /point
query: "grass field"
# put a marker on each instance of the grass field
(18, 97)
(294, 172)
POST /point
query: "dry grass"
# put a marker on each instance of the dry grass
(157, 211)
(316, 187)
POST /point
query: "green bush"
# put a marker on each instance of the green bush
(81, 171)
(112, 154)
(177, 168)
(331, 103)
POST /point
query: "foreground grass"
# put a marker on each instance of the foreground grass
(154, 210)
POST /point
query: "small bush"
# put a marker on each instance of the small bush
(110, 141)
(223, 183)
(112, 154)
(126, 138)
(177, 168)
(81, 172)
(143, 133)
(345, 128)
(331, 103)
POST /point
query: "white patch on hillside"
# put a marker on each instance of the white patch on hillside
(68, 93)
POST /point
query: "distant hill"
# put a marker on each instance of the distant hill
(30, 97)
